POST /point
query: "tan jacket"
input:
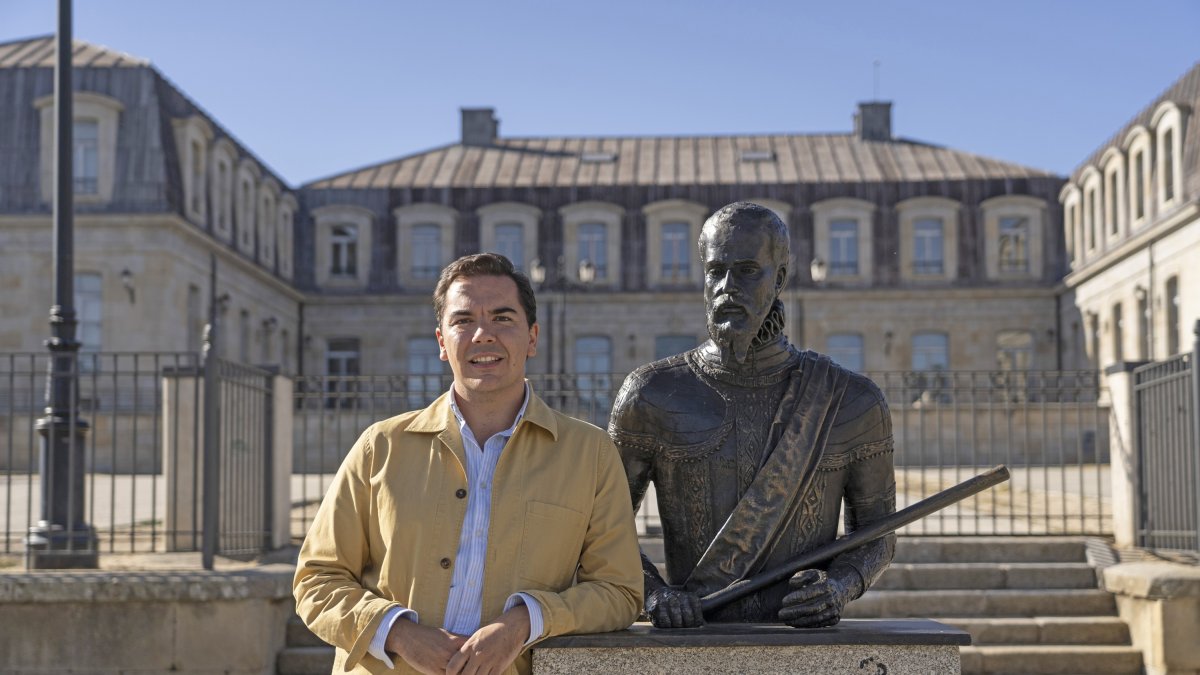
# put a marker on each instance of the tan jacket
(387, 532)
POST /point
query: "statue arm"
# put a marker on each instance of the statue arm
(870, 495)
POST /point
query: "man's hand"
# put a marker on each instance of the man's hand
(493, 647)
(670, 607)
(425, 648)
(816, 600)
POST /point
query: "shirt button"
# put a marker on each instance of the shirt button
(460, 493)
(445, 563)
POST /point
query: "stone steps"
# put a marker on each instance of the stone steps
(989, 603)
(979, 575)
(990, 550)
(305, 661)
(1044, 630)
(1051, 660)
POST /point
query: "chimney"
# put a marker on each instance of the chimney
(873, 121)
(479, 126)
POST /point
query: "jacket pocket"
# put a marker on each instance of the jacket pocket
(551, 541)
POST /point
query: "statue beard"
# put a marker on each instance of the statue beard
(740, 341)
(736, 340)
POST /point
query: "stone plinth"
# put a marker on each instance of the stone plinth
(858, 647)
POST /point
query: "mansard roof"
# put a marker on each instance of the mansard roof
(1184, 92)
(38, 52)
(677, 160)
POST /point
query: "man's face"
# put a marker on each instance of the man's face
(741, 281)
(485, 336)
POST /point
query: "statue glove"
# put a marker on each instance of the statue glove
(670, 607)
(815, 601)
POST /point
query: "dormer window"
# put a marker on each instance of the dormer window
(87, 156)
(598, 157)
(343, 251)
(758, 156)
(1168, 131)
(1014, 244)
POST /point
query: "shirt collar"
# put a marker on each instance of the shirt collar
(462, 422)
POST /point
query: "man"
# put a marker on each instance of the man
(753, 445)
(454, 537)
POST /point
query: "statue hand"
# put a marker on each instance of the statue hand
(816, 600)
(670, 607)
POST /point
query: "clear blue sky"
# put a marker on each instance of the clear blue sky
(316, 88)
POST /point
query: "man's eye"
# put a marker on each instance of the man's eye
(504, 318)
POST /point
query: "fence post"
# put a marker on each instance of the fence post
(1195, 412)
(212, 440)
(281, 450)
(1123, 453)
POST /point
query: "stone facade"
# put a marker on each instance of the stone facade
(932, 258)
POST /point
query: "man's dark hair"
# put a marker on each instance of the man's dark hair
(749, 214)
(485, 264)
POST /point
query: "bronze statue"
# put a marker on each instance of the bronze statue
(753, 445)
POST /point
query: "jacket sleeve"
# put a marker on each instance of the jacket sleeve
(607, 595)
(330, 598)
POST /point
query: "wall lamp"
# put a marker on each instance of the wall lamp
(127, 284)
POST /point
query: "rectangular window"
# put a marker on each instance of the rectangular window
(244, 336)
(670, 345)
(593, 247)
(89, 306)
(1143, 324)
(1014, 350)
(846, 349)
(86, 158)
(195, 319)
(843, 247)
(927, 246)
(510, 243)
(1113, 221)
(1092, 205)
(593, 380)
(930, 351)
(341, 367)
(675, 258)
(424, 380)
(1168, 176)
(1139, 185)
(1072, 216)
(1014, 244)
(426, 251)
(343, 244)
(1094, 337)
(1173, 327)
(1118, 329)
(197, 176)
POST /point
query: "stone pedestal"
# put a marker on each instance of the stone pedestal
(854, 646)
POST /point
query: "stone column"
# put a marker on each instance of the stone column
(281, 465)
(182, 446)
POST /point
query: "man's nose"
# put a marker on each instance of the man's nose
(483, 333)
(726, 285)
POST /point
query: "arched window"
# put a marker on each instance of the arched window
(343, 245)
(1168, 132)
(1173, 325)
(842, 238)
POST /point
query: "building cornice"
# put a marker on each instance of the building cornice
(1135, 244)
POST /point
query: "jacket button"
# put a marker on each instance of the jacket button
(445, 563)
(460, 493)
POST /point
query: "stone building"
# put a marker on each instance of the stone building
(1132, 230)
(925, 258)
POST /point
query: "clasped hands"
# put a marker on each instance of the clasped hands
(436, 651)
(815, 601)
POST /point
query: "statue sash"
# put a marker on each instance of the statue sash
(795, 445)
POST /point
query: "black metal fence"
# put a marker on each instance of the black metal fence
(144, 451)
(1167, 428)
(1050, 428)
(124, 401)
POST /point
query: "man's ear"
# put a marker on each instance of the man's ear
(781, 278)
(441, 345)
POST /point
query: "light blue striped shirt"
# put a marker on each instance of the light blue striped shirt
(464, 605)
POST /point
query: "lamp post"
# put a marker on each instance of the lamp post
(61, 538)
(538, 274)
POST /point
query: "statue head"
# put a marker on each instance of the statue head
(744, 250)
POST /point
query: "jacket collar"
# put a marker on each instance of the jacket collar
(438, 416)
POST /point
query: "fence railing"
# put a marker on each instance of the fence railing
(1050, 428)
(125, 402)
(1167, 421)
